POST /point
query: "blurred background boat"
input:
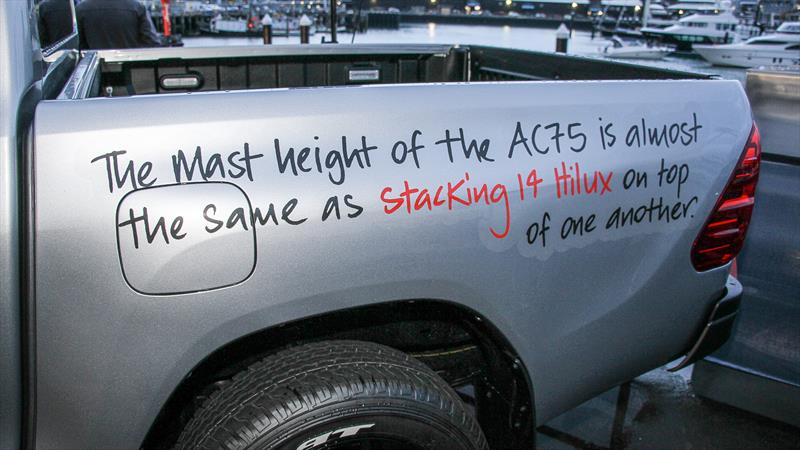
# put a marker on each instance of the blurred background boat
(714, 26)
(618, 48)
(779, 48)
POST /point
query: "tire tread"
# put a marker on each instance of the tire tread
(298, 380)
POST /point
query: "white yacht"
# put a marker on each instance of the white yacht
(722, 28)
(282, 25)
(618, 48)
(779, 48)
(233, 26)
(688, 7)
(659, 17)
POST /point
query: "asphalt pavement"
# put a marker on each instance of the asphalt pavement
(659, 410)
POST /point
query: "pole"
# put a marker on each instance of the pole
(572, 18)
(571, 23)
(562, 37)
(757, 18)
(305, 29)
(645, 13)
(266, 23)
(334, 21)
(165, 17)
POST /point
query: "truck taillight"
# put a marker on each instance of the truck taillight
(723, 234)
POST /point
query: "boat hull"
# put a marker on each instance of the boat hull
(638, 54)
(683, 42)
(746, 58)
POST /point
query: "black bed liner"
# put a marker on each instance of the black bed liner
(144, 71)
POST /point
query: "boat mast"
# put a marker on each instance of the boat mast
(645, 13)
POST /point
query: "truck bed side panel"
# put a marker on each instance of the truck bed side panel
(121, 319)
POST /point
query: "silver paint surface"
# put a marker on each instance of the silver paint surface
(172, 267)
(16, 76)
(584, 314)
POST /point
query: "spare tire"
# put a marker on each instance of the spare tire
(334, 394)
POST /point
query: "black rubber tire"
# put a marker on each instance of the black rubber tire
(301, 398)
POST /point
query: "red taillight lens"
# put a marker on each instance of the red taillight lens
(723, 235)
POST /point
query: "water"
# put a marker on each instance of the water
(500, 36)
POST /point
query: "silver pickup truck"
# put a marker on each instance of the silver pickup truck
(351, 246)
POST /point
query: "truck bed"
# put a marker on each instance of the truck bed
(153, 71)
(561, 214)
